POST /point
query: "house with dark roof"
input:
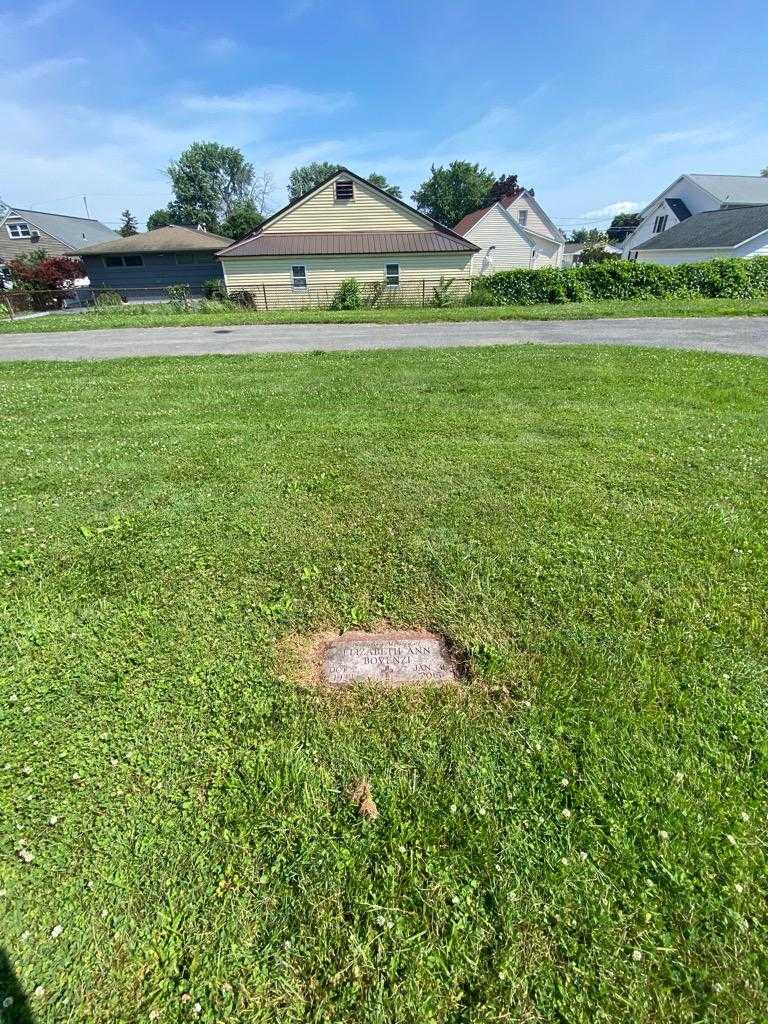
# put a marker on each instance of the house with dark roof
(25, 231)
(691, 194)
(345, 227)
(740, 231)
(512, 232)
(143, 266)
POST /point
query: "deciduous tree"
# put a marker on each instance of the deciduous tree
(451, 192)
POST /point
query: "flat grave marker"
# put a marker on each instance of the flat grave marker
(388, 658)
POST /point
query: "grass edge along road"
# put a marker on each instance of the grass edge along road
(579, 834)
(152, 316)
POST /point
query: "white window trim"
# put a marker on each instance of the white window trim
(522, 218)
(20, 224)
(299, 287)
(387, 275)
(660, 223)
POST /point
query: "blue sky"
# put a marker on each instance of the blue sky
(596, 105)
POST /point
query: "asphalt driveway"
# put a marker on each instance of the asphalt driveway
(740, 335)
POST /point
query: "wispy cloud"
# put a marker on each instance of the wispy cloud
(271, 100)
(612, 209)
(219, 46)
(42, 69)
(296, 9)
(45, 11)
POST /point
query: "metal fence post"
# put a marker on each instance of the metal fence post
(423, 292)
(264, 289)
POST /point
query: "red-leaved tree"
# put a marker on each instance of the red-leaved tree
(43, 279)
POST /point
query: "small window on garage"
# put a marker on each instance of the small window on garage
(522, 217)
(19, 229)
(660, 224)
(185, 259)
(345, 189)
(299, 276)
(123, 261)
(393, 274)
(203, 257)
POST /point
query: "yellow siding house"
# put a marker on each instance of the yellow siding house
(345, 227)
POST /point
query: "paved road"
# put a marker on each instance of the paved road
(742, 335)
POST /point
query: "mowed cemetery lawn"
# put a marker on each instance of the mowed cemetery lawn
(577, 834)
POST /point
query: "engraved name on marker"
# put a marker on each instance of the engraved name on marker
(403, 656)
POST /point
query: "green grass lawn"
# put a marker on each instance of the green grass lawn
(137, 316)
(578, 835)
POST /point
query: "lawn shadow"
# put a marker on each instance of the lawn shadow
(18, 1012)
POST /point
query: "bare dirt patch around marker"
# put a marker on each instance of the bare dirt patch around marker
(384, 658)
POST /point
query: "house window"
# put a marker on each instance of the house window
(659, 224)
(185, 259)
(393, 275)
(19, 229)
(123, 261)
(345, 190)
(522, 216)
(299, 276)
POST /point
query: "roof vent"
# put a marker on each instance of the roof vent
(345, 189)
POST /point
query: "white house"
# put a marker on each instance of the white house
(572, 252)
(691, 194)
(512, 232)
(740, 231)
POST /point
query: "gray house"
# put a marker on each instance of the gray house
(24, 231)
(143, 266)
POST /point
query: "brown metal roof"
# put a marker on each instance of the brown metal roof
(171, 239)
(347, 243)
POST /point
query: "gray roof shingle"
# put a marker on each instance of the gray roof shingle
(734, 188)
(171, 239)
(714, 229)
(73, 231)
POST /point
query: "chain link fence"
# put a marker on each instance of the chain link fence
(427, 291)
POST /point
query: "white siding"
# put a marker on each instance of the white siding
(673, 256)
(512, 248)
(547, 253)
(368, 210)
(533, 221)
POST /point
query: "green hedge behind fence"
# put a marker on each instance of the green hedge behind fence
(624, 279)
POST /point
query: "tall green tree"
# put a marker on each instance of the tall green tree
(129, 226)
(158, 219)
(242, 221)
(589, 236)
(303, 179)
(451, 192)
(381, 182)
(764, 172)
(208, 182)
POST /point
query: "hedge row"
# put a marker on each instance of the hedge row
(625, 279)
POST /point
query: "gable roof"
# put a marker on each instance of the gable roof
(734, 188)
(474, 218)
(71, 231)
(714, 229)
(349, 243)
(244, 247)
(468, 222)
(471, 219)
(174, 238)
